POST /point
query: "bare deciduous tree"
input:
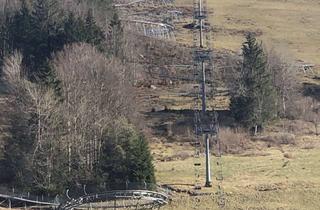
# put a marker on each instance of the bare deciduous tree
(96, 91)
(284, 73)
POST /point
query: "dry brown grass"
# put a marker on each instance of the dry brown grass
(292, 24)
(253, 182)
(233, 142)
(297, 127)
(178, 98)
(278, 138)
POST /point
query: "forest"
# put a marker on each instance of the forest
(71, 102)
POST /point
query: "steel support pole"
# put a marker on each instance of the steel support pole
(204, 104)
(201, 24)
(208, 168)
(203, 88)
(207, 139)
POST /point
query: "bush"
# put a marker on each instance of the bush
(279, 138)
(233, 142)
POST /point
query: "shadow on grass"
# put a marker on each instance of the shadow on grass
(169, 123)
(311, 90)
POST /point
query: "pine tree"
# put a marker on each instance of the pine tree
(254, 104)
(116, 36)
(16, 162)
(20, 29)
(94, 34)
(112, 164)
(6, 38)
(140, 164)
(40, 39)
(126, 157)
(73, 29)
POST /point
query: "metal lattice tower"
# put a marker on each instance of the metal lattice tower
(206, 121)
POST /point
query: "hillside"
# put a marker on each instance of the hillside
(116, 102)
(294, 25)
(265, 176)
(289, 27)
(283, 27)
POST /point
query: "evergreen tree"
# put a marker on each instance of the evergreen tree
(46, 36)
(21, 23)
(254, 103)
(20, 31)
(5, 37)
(94, 35)
(73, 29)
(140, 161)
(4, 48)
(125, 157)
(116, 36)
(16, 161)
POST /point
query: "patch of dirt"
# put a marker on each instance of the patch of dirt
(269, 187)
(254, 154)
(277, 138)
(296, 127)
(236, 32)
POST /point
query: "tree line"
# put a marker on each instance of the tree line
(73, 101)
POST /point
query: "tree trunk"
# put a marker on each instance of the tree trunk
(69, 157)
(284, 107)
(255, 130)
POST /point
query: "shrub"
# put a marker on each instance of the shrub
(279, 138)
(233, 142)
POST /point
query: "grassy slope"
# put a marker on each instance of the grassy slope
(295, 181)
(293, 24)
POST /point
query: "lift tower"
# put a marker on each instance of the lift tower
(205, 120)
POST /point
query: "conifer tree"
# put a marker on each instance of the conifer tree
(116, 36)
(17, 153)
(20, 31)
(4, 41)
(94, 35)
(45, 35)
(126, 156)
(73, 29)
(140, 161)
(254, 103)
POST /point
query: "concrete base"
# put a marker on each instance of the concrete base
(208, 184)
